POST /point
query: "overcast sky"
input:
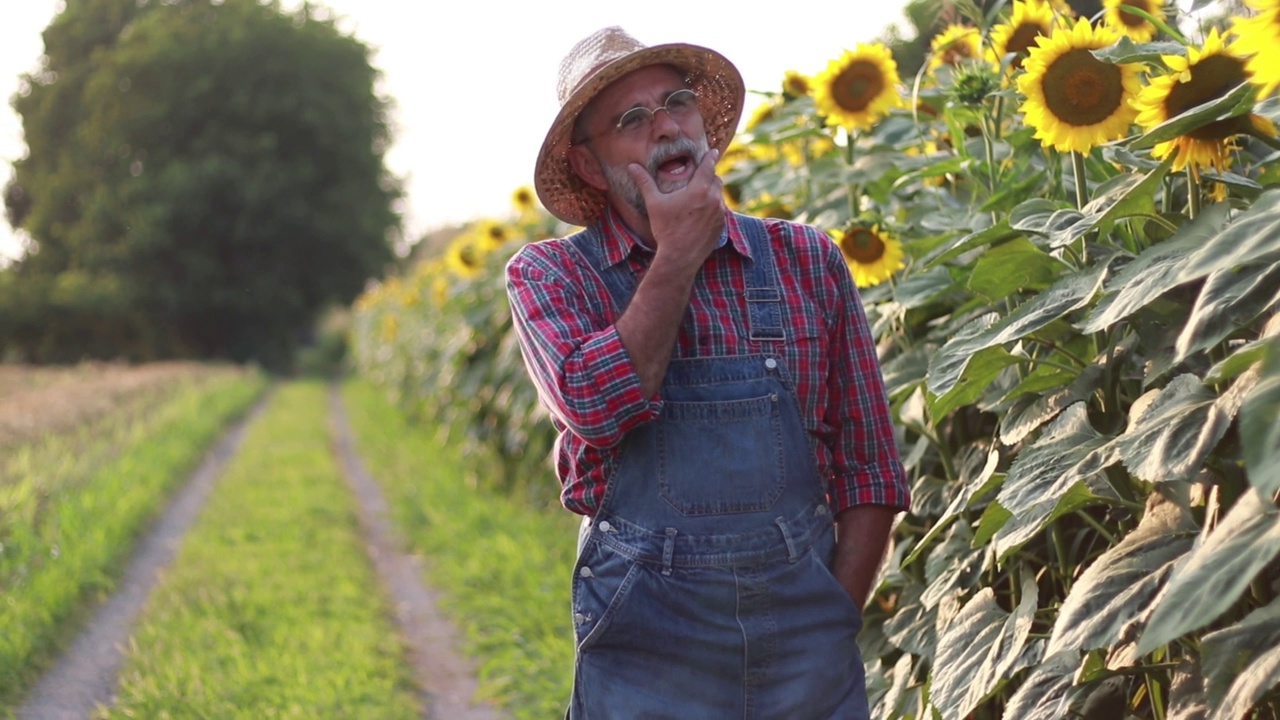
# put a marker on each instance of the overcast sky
(474, 85)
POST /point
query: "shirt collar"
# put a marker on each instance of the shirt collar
(620, 241)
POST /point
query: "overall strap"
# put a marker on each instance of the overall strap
(617, 278)
(764, 297)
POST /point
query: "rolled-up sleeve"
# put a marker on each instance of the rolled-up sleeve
(583, 373)
(866, 467)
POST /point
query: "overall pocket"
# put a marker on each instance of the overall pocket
(721, 457)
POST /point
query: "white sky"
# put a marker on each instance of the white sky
(474, 85)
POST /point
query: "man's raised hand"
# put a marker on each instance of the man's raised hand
(687, 221)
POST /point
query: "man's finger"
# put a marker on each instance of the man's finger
(641, 178)
(708, 164)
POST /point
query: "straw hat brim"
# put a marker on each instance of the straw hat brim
(721, 95)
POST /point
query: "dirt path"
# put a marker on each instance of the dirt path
(446, 680)
(85, 676)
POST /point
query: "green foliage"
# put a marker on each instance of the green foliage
(271, 608)
(503, 565)
(439, 341)
(202, 179)
(1081, 350)
(73, 504)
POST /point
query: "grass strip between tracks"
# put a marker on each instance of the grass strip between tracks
(502, 566)
(271, 608)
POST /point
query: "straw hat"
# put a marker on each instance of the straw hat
(590, 67)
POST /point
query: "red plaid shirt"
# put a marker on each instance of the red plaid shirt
(587, 380)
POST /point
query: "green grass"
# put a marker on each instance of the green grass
(503, 566)
(75, 504)
(271, 608)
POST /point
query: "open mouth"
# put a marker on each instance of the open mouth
(675, 167)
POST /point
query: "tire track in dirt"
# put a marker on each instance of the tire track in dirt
(445, 679)
(85, 675)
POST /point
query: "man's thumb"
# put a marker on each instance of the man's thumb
(641, 178)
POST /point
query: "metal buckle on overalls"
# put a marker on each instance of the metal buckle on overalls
(668, 550)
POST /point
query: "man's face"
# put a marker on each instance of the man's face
(669, 145)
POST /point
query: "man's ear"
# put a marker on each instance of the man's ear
(585, 164)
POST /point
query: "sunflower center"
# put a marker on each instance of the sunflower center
(862, 246)
(1081, 90)
(1211, 78)
(1021, 40)
(857, 85)
(1135, 21)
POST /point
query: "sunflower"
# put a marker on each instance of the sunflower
(1259, 37)
(873, 256)
(761, 114)
(1138, 28)
(858, 88)
(491, 235)
(524, 200)
(1074, 100)
(795, 85)
(1206, 74)
(463, 257)
(1030, 19)
(954, 45)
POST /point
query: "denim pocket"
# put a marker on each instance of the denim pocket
(721, 457)
(601, 580)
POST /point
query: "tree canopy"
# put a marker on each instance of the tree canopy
(202, 179)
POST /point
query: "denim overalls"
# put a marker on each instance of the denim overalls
(702, 588)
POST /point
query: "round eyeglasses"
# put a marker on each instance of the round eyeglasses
(679, 104)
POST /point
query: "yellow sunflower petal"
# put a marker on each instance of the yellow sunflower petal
(1136, 27)
(1075, 101)
(873, 256)
(1258, 38)
(1031, 19)
(858, 88)
(1206, 74)
(954, 45)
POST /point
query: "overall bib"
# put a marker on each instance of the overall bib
(702, 587)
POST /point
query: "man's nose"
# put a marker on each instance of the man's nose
(664, 126)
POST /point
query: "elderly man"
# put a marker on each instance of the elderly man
(723, 422)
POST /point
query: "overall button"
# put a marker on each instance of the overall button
(579, 619)
(605, 526)
(771, 364)
(585, 572)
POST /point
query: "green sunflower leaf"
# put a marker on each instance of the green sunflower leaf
(1117, 586)
(1043, 694)
(1067, 294)
(1259, 431)
(1013, 266)
(1246, 540)
(1242, 662)
(1230, 299)
(1153, 273)
(979, 648)
(1239, 101)
(1127, 51)
(1172, 431)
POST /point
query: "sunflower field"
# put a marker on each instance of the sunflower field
(1066, 232)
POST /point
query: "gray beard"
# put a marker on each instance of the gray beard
(622, 185)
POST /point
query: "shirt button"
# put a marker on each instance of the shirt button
(771, 363)
(605, 526)
(585, 572)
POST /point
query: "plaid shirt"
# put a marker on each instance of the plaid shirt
(564, 320)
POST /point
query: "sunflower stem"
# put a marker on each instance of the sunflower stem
(1193, 193)
(1082, 188)
(850, 139)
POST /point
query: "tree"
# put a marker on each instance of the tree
(203, 178)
